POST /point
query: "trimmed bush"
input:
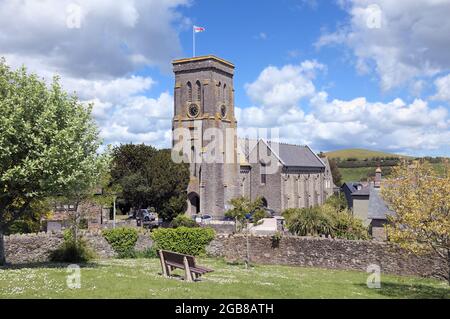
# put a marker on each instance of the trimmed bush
(191, 241)
(122, 240)
(183, 221)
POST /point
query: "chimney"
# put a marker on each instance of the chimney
(377, 183)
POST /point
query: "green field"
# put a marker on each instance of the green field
(139, 278)
(360, 154)
(358, 173)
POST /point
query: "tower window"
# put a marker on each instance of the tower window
(194, 161)
(263, 173)
(189, 89)
(224, 93)
(199, 90)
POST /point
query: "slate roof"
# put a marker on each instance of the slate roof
(296, 155)
(378, 208)
(289, 154)
(364, 191)
(353, 187)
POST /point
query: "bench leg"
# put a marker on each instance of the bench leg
(165, 269)
(187, 270)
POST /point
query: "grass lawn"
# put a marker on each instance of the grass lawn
(139, 278)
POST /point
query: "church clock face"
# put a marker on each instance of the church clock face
(193, 110)
(223, 110)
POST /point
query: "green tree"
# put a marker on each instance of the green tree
(420, 198)
(149, 178)
(30, 221)
(242, 210)
(48, 144)
(337, 177)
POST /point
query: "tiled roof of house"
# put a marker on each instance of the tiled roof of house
(378, 208)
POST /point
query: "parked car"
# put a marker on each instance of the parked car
(202, 219)
(147, 218)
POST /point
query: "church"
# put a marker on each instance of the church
(284, 175)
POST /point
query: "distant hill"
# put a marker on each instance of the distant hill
(360, 153)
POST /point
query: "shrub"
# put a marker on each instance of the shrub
(309, 221)
(276, 238)
(71, 251)
(348, 227)
(191, 241)
(122, 241)
(183, 221)
(337, 201)
(147, 253)
(325, 220)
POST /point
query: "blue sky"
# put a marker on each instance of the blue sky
(330, 74)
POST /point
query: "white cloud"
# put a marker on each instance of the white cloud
(261, 36)
(403, 45)
(136, 119)
(326, 124)
(442, 88)
(285, 86)
(113, 38)
(98, 57)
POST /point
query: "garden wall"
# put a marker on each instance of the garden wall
(291, 250)
(328, 253)
(34, 248)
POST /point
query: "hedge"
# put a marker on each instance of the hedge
(184, 240)
(122, 241)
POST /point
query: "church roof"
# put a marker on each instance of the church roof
(296, 155)
(288, 154)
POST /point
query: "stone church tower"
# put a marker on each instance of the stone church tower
(204, 99)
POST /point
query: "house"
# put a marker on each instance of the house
(366, 203)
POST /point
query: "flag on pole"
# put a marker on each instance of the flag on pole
(195, 29)
(198, 29)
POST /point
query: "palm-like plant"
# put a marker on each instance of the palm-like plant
(309, 221)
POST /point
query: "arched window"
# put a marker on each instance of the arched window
(189, 91)
(198, 90)
(264, 202)
(225, 93)
(193, 161)
(219, 91)
(263, 173)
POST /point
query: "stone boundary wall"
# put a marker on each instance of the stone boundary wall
(36, 248)
(290, 250)
(327, 253)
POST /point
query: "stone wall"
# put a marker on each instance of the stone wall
(35, 248)
(291, 250)
(328, 253)
(31, 248)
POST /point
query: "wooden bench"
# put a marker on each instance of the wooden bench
(171, 260)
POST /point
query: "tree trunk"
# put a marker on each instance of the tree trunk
(448, 265)
(2, 249)
(247, 259)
